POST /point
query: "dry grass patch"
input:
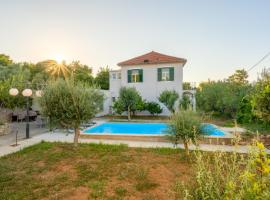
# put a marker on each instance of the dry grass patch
(92, 171)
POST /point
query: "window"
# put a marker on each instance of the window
(135, 75)
(113, 76)
(165, 74)
(119, 75)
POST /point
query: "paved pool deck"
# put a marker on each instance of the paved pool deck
(68, 138)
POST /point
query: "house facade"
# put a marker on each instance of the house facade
(150, 74)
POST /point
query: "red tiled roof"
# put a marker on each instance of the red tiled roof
(152, 58)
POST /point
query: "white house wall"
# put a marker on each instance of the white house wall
(150, 88)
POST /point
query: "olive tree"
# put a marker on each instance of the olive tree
(184, 126)
(69, 105)
(129, 100)
(168, 98)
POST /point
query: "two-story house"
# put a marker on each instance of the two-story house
(150, 74)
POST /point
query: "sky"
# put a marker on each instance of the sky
(215, 36)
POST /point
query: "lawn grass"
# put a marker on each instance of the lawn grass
(92, 171)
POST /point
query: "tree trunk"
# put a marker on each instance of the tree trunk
(76, 136)
(128, 113)
(186, 148)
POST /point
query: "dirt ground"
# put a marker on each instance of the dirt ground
(91, 171)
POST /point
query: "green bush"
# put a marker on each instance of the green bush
(261, 97)
(221, 176)
(153, 108)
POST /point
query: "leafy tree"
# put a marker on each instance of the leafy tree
(240, 76)
(81, 73)
(185, 102)
(102, 78)
(187, 86)
(118, 107)
(221, 97)
(128, 100)
(261, 97)
(69, 104)
(153, 108)
(184, 126)
(17, 81)
(168, 98)
(5, 60)
(245, 112)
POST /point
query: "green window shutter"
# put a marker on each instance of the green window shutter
(159, 74)
(141, 75)
(129, 76)
(171, 74)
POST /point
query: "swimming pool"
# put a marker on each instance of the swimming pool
(129, 128)
(144, 129)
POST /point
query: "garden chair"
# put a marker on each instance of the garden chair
(40, 121)
(21, 116)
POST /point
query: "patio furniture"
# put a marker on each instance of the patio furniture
(40, 121)
(4, 129)
(21, 116)
(32, 115)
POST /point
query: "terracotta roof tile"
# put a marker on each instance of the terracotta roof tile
(152, 58)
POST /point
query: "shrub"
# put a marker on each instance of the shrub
(261, 97)
(168, 98)
(153, 108)
(222, 176)
(184, 126)
(185, 103)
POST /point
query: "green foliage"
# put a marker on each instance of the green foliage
(231, 176)
(245, 112)
(129, 100)
(168, 98)
(261, 97)
(16, 80)
(102, 78)
(69, 104)
(221, 97)
(5, 60)
(185, 103)
(187, 86)
(118, 107)
(81, 73)
(184, 126)
(239, 77)
(153, 108)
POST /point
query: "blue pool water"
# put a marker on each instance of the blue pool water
(129, 128)
(145, 129)
(212, 130)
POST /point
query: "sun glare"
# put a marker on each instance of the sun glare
(59, 58)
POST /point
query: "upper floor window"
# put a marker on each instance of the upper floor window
(135, 75)
(115, 76)
(119, 75)
(165, 74)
